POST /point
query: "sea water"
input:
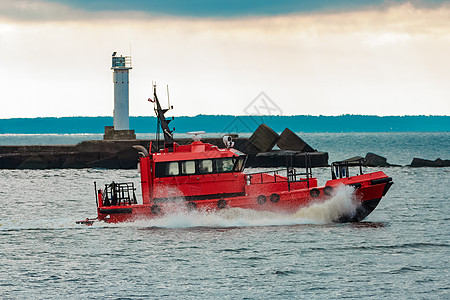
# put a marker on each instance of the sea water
(401, 250)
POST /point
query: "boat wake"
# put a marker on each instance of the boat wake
(342, 203)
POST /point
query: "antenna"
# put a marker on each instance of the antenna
(162, 121)
(168, 100)
(153, 87)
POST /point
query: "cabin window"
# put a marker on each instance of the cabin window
(239, 165)
(224, 164)
(205, 166)
(172, 169)
(188, 167)
(230, 164)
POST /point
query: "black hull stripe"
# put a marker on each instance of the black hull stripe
(381, 180)
(111, 211)
(387, 187)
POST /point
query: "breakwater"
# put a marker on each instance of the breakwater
(42, 152)
(122, 155)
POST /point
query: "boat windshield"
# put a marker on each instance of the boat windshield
(224, 164)
(201, 166)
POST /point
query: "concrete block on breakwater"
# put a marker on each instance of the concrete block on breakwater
(263, 139)
(283, 158)
(290, 141)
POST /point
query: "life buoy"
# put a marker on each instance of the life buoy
(221, 204)
(314, 193)
(191, 206)
(274, 198)
(328, 190)
(261, 199)
(156, 209)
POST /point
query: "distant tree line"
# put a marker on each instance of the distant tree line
(232, 124)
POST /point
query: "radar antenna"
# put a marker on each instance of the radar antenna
(162, 121)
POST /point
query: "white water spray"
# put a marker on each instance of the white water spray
(343, 203)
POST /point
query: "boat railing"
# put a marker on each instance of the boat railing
(292, 175)
(341, 169)
(119, 194)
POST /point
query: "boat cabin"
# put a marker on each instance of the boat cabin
(187, 160)
(197, 171)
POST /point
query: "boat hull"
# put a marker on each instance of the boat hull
(368, 191)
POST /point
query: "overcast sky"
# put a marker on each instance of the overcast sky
(322, 57)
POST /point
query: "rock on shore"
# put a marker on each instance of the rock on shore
(419, 162)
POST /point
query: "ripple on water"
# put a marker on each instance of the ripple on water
(402, 248)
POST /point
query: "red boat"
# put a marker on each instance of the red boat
(204, 177)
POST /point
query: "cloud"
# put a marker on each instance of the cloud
(69, 10)
(37, 11)
(391, 61)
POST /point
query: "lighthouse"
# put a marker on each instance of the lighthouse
(121, 65)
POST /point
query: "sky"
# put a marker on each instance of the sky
(236, 57)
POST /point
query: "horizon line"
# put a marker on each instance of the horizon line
(219, 115)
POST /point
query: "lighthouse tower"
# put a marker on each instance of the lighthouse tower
(120, 66)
